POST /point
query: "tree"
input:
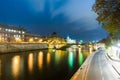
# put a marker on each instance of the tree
(108, 15)
(108, 41)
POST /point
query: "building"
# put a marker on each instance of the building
(11, 34)
(54, 41)
(17, 34)
(29, 37)
(70, 41)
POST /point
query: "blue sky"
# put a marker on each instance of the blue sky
(66, 17)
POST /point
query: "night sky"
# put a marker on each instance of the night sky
(65, 17)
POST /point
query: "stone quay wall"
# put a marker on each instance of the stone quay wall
(18, 47)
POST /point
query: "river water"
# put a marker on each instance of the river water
(41, 64)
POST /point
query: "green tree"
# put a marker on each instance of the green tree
(108, 15)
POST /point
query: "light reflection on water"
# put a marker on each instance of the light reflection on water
(40, 59)
(59, 56)
(0, 68)
(30, 62)
(16, 66)
(48, 58)
(70, 59)
(81, 58)
(42, 65)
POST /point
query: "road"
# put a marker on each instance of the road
(96, 67)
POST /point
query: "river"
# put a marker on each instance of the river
(42, 64)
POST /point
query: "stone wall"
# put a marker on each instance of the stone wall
(17, 47)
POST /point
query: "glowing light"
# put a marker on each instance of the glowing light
(31, 40)
(70, 59)
(23, 32)
(40, 40)
(81, 41)
(18, 40)
(30, 62)
(119, 44)
(90, 50)
(40, 60)
(48, 58)
(36, 37)
(70, 41)
(16, 66)
(0, 38)
(0, 68)
(81, 58)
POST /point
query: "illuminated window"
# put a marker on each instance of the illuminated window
(19, 31)
(9, 30)
(23, 32)
(6, 29)
(36, 38)
(14, 30)
(16, 36)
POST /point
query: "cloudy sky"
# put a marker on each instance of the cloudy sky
(66, 17)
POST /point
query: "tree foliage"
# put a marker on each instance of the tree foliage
(108, 15)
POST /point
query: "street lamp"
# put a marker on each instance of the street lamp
(31, 40)
(118, 44)
(40, 40)
(18, 40)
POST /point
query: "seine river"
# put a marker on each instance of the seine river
(42, 64)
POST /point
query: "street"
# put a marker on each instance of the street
(97, 67)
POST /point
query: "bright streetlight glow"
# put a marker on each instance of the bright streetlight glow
(31, 40)
(118, 44)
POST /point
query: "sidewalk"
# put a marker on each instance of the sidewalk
(114, 61)
(113, 57)
(111, 52)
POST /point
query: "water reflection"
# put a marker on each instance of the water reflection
(16, 66)
(57, 57)
(48, 58)
(0, 68)
(40, 60)
(80, 57)
(30, 62)
(42, 65)
(70, 58)
(86, 53)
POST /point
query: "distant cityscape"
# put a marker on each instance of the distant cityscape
(19, 34)
(14, 34)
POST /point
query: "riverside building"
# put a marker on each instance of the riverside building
(11, 34)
